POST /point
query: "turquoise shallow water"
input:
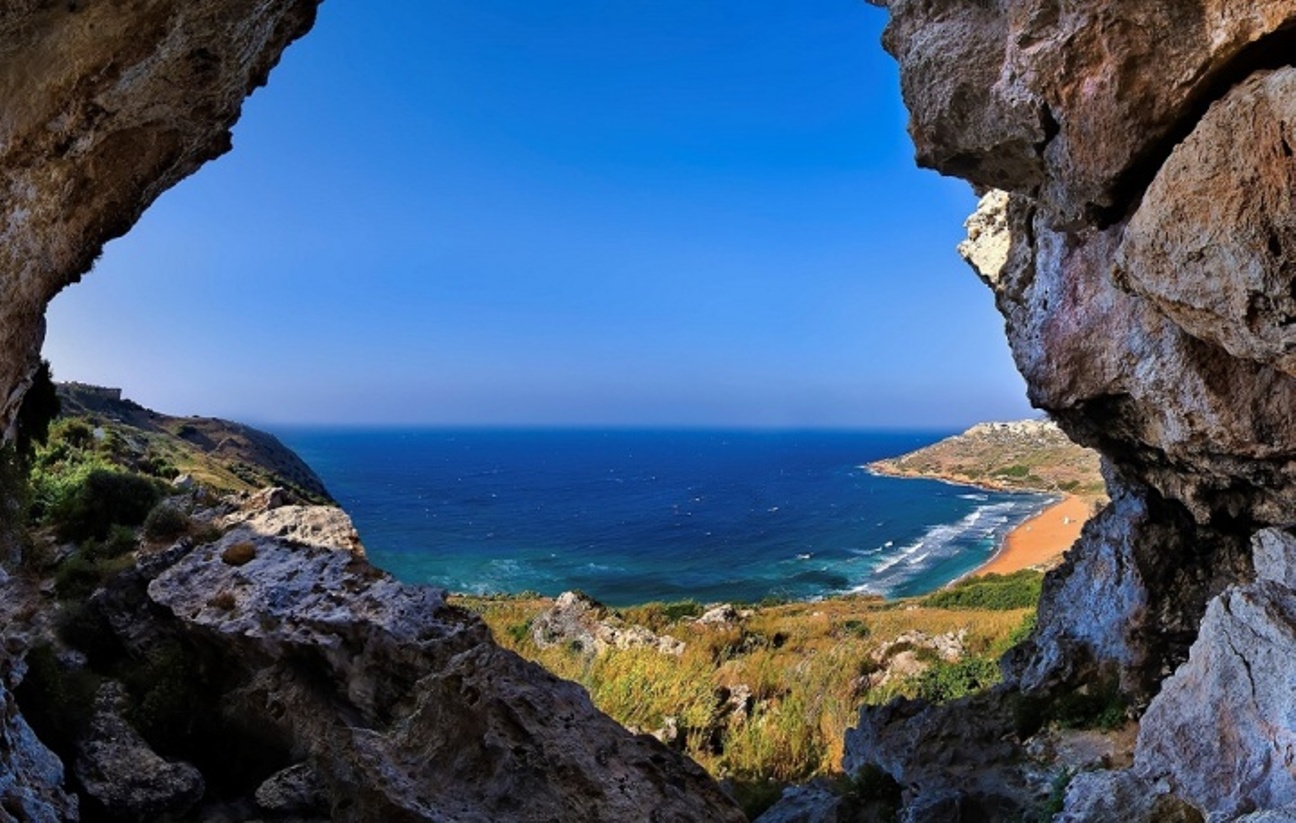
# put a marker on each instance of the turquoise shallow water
(632, 516)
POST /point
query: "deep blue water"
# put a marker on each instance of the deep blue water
(632, 516)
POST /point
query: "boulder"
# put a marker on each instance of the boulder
(32, 786)
(122, 774)
(294, 790)
(1222, 731)
(578, 621)
(1122, 795)
(722, 615)
(1273, 552)
(31, 776)
(811, 803)
(403, 706)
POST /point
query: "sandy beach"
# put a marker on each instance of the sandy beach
(1041, 538)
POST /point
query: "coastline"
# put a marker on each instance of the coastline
(1040, 539)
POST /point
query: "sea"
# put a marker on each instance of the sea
(635, 516)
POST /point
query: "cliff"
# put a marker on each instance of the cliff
(221, 454)
(1137, 231)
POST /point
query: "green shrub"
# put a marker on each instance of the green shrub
(999, 592)
(659, 616)
(520, 631)
(119, 541)
(103, 499)
(56, 701)
(166, 522)
(949, 681)
(1023, 631)
(1097, 706)
(755, 796)
(875, 789)
(856, 628)
(77, 577)
(167, 702)
(73, 431)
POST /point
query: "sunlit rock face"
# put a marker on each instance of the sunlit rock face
(1139, 232)
(103, 106)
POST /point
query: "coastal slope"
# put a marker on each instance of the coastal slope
(222, 454)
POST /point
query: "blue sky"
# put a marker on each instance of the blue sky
(496, 212)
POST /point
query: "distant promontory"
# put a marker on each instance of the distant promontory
(1024, 455)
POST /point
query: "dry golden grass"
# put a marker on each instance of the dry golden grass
(802, 663)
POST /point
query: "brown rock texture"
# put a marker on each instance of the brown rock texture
(1139, 233)
(105, 106)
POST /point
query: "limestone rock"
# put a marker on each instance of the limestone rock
(1128, 595)
(961, 753)
(723, 614)
(31, 776)
(1122, 795)
(319, 526)
(898, 659)
(294, 790)
(811, 803)
(1073, 100)
(1273, 551)
(1222, 731)
(1214, 241)
(577, 620)
(403, 706)
(123, 774)
(989, 238)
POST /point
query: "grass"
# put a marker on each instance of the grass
(801, 664)
(1019, 590)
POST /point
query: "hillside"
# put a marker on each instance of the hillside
(1027, 455)
(761, 695)
(221, 454)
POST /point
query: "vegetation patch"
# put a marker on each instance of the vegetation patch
(58, 702)
(166, 522)
(1019, 590)
(944, 681)
(764, 702)
(92, 504)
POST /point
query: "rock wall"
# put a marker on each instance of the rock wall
(1139, 232)
(103, 106)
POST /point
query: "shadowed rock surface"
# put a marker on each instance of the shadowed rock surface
(1137, 234)
(329, 686)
